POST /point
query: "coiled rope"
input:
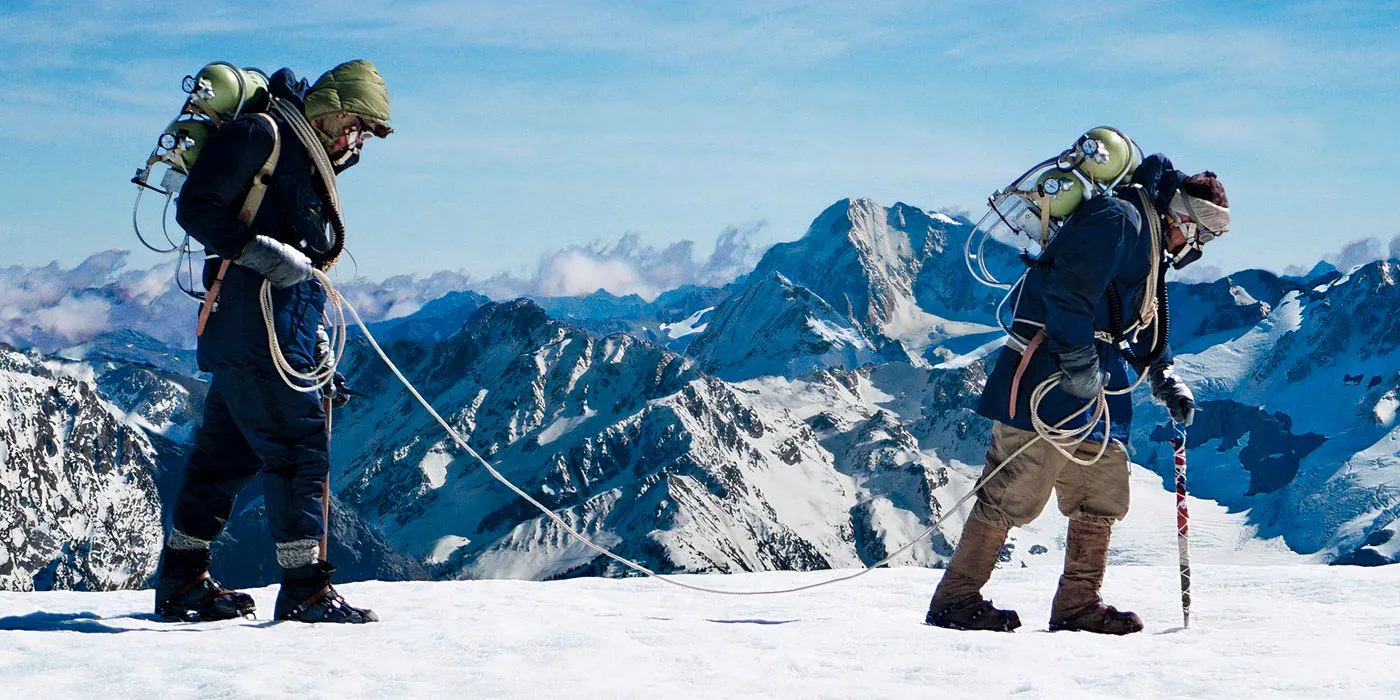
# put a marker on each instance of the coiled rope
(1065, 440)
(334, 317)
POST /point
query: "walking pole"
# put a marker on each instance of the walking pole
(1182, 521)
(326, 486)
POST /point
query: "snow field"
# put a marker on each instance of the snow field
(1261, 631)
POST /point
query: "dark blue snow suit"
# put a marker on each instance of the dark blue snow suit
(1104, 243)
(252, 421)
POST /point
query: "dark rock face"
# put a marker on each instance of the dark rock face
(437, 319)
(1271, 455)
(1352, 322)
(165, 402)
(631, 444)
(1378, 549)
(1214, 307)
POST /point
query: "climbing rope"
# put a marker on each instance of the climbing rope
(1065, 440)
(334, 317)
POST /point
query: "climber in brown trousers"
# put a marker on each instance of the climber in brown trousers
(1113, 247)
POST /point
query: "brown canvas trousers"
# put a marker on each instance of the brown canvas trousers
(1017, 494)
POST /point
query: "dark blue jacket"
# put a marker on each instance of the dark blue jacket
(292, 212)
(1104, 243)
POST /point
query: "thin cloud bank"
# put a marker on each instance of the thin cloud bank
(625, 267)
(631, 267)
(1358, 252)
(50, 308)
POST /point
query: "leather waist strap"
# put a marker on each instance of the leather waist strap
(1021, 368)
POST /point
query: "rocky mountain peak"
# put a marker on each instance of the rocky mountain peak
(78, 506)
(776, 326)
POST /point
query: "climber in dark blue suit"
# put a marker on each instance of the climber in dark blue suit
(1105, 243)
(1095, 280)
(254, 422)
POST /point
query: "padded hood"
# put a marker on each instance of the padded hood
(354, 87)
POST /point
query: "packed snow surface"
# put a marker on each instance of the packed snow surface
(1260, 631)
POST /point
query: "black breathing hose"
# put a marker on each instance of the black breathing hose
(1162, 327)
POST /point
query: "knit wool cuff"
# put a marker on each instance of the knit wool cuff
(181, 540)
(298, 553)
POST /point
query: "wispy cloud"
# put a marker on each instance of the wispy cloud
(1356, 252)
(631, 267)
(769, 30)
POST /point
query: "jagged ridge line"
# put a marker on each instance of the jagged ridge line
(584, 540)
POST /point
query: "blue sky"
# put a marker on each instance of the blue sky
(525, 127)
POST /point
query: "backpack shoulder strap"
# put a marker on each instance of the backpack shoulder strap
(253, 201)
(1148, 311)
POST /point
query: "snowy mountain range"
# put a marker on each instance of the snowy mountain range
(814, 413)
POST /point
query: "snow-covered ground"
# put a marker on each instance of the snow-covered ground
(1261, 631)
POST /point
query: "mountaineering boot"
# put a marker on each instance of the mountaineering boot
(185, 591)
(307, 596)
(957, 603)
(1077, 605)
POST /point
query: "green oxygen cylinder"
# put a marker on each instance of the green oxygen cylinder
(1107, 155)
(225, 90)
(183, 140)
(1064, 189)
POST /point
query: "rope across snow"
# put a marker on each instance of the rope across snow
(1065, 440)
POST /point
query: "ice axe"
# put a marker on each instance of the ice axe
(1183, 518)
(333, 396)
(327, 404)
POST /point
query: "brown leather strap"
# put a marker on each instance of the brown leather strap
(316, 598)
(1021, 368)
(211, 299)
(190, 586)
(305, 605)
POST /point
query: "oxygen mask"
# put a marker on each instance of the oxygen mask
(347, 157)
(344, 150)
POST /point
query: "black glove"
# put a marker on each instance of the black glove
(280, 263)
(336, 392)
(1082, 377)
(1173, 393)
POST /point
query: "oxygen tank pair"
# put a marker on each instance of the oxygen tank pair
(1038, 202)
(217, 93)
